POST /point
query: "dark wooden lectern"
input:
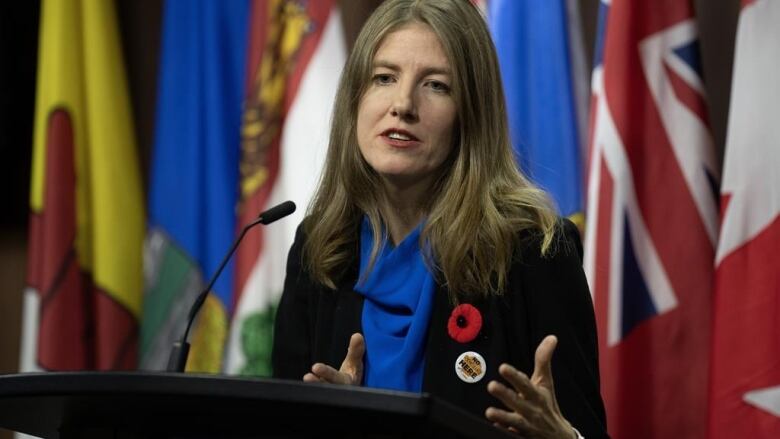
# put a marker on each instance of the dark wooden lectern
(141, 405)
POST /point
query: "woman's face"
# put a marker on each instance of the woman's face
(407, 114)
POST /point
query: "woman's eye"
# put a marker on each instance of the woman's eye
(439, 86)
(383, 78)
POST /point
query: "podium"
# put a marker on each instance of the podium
(129, 405)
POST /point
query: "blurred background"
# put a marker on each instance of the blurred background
(141, 27)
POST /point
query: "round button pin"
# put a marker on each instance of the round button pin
(470, 367)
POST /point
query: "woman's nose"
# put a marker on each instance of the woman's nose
(403, 105)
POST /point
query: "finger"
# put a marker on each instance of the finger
(511, 399)
(543, 376)
(509, 420)
(353, 362)
(329, 374)
(311, 378)
(357, 347)
(520, 381)
(543, 361)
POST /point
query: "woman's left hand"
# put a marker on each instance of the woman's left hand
(532, 409)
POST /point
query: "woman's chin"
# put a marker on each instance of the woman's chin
(405, 179)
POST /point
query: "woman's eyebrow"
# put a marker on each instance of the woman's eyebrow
(432, 70)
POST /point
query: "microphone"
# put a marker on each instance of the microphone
(181, 348)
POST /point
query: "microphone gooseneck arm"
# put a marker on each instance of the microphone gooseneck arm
(181, 348)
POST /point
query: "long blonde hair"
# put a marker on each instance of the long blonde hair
(479, 203)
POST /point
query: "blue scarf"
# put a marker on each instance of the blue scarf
(397, 307)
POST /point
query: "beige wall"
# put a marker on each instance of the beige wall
(718, 26)
(12, 267)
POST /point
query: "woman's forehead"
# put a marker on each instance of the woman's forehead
(412, 40)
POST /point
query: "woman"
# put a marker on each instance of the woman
(425, 253)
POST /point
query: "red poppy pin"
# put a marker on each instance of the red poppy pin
(464, 323)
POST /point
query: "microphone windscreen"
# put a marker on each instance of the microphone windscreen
(277, 212)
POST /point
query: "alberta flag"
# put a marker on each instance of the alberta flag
(193, 182)
(652, 219)
(745, 391)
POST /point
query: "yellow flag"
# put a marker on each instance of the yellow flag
(87, 214)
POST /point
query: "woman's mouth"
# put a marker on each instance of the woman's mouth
(400, 138)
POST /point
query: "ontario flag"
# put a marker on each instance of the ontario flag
(651, 219)
(86, 212)
(745, 384)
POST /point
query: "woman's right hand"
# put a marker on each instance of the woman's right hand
(351, 370)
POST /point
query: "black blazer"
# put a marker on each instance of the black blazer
(544, 295)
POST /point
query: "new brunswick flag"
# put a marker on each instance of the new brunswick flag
(86, 219)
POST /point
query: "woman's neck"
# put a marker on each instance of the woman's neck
(404, 209)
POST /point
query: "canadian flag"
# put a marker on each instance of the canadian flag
(745, 380)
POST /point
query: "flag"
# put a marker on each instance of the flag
(86, 210)
(542, 67)
(194, 179)
(245, 99)
(652, 219)
(745, 384)
(294, 63)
